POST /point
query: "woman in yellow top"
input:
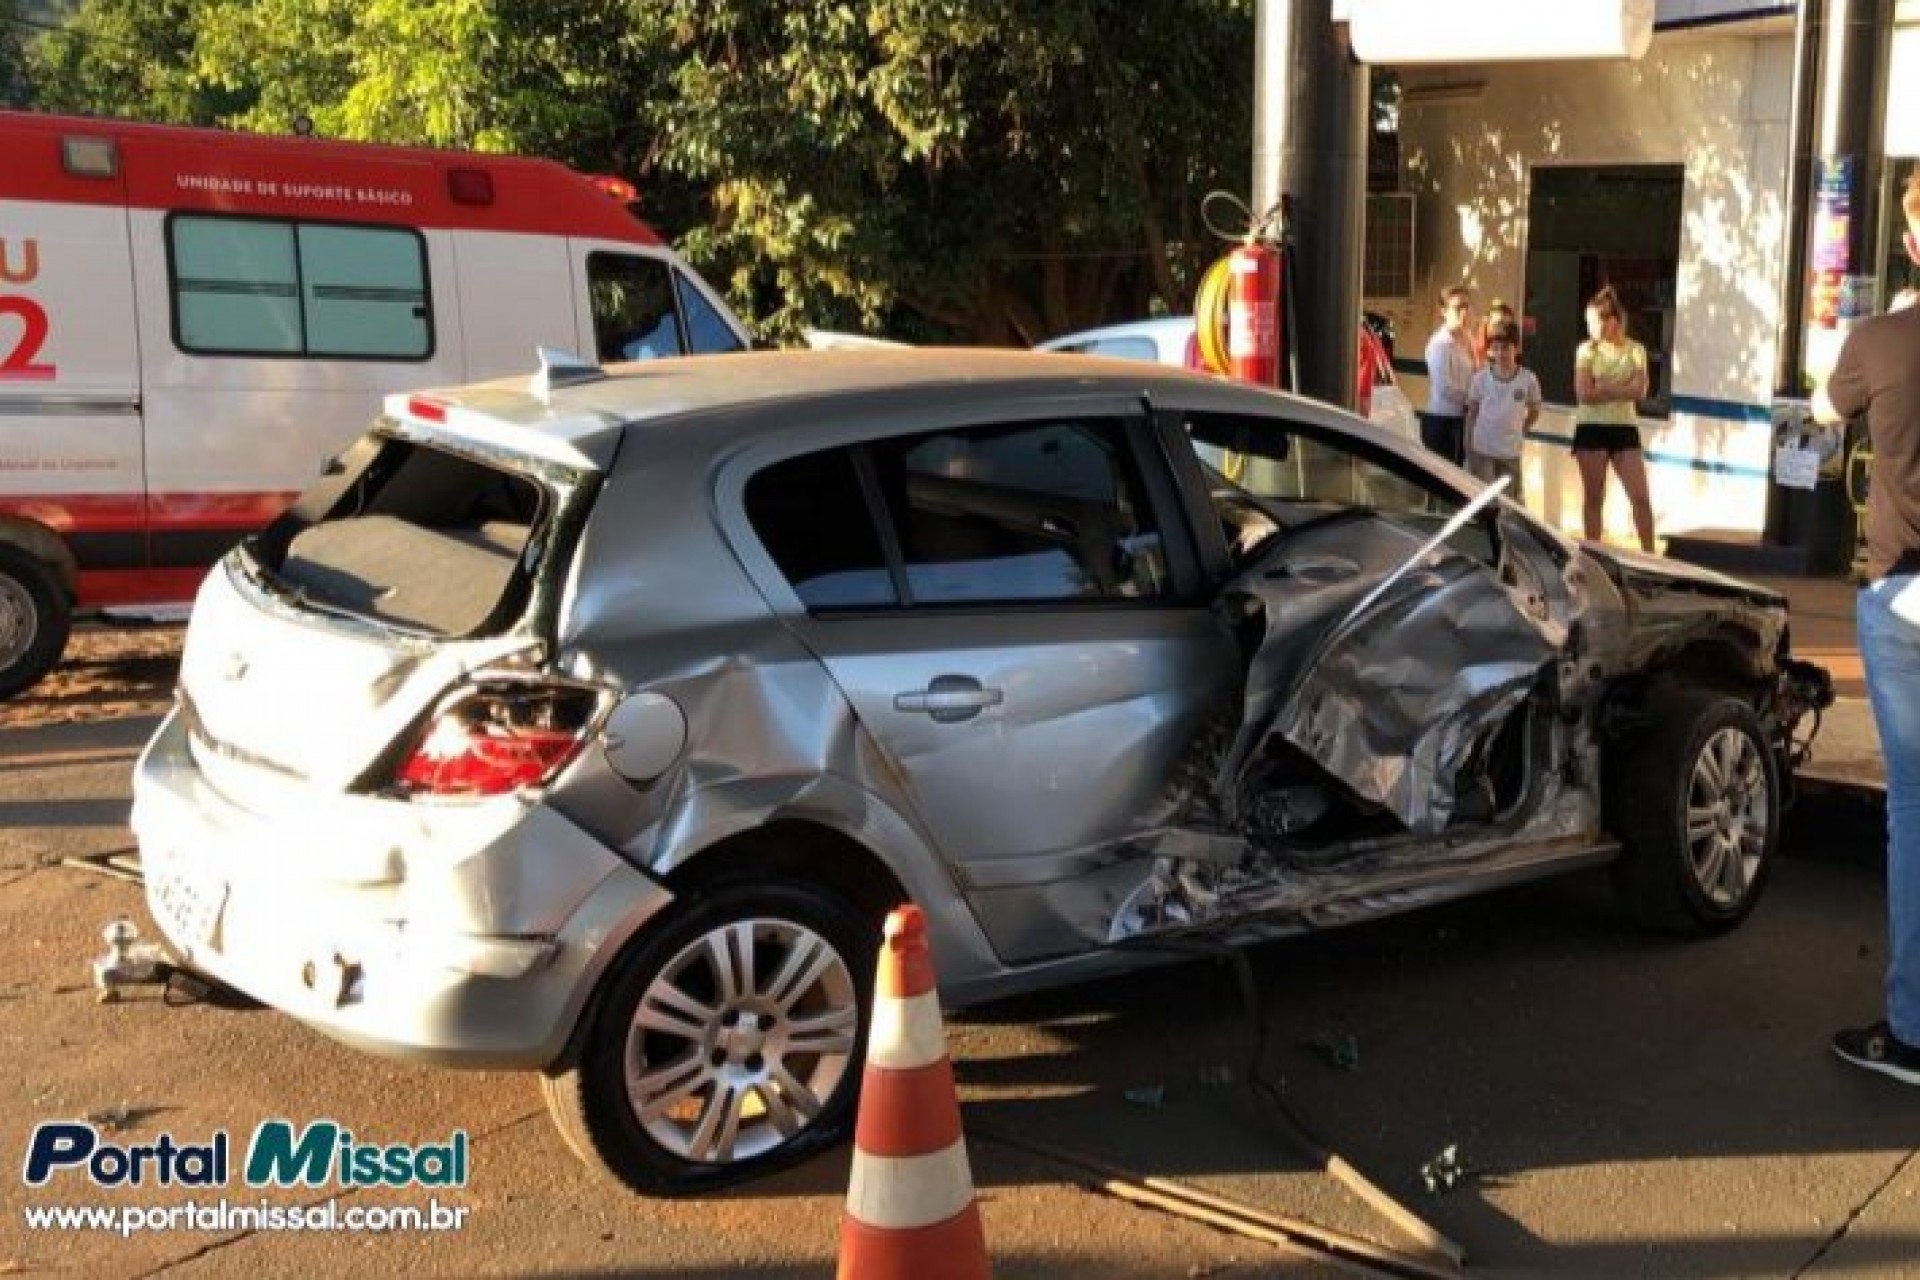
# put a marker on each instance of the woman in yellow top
(1609, 380)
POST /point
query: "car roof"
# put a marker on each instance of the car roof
(687, 386)
(688, 391)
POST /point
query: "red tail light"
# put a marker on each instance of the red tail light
(497, 739)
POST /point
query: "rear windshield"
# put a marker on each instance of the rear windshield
(411, 536)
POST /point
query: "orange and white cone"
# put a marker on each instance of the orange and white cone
(910, 1208)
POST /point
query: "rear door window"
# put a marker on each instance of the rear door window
(812, 516)
(1026, 513)
(1037, 511)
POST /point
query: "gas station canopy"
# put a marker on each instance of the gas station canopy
(1412, 32)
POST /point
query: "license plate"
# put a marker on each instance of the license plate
(186, 904)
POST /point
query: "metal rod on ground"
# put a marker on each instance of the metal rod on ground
(1409, 1223)
(1325, 1244)
(1405, 1220)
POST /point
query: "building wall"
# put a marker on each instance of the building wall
(1711, 100)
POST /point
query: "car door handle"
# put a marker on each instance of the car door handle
(950, 699)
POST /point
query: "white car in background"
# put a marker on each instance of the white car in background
(1175, 340)
(1168, 340)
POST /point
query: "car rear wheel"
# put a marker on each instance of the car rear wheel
(34, 619)
(1696, 800)
(725, 1045)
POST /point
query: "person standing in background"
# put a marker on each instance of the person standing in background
(1609, 381)
(1498, 313)
(1878, 374)
(1443, 426)
(1502, 403)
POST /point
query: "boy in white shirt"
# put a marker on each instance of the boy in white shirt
(1503, 400)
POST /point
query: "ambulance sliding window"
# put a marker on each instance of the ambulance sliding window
(321, 291)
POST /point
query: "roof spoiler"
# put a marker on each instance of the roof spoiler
(561, 369)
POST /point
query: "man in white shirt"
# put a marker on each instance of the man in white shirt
(1449, 371)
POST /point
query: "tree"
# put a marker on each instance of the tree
(129, 58)
(994, 171)
(14, 90)
(997, 171)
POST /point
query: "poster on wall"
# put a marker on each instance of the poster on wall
(1837, 294)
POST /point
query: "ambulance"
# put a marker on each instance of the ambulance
(192, 322)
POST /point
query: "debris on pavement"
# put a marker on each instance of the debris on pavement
(1340, 1049)
(128, 962)
(1153, 1095)
(1445, 1171)
(116, 864)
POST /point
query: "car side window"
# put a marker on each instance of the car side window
(1131, 347)
(708, 333)
(1310, 474)
(634, 314)
(812, 516)
(245, 286)
(1030, 512)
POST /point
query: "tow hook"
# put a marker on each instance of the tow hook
(129, 962)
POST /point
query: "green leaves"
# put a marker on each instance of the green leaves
(983, 170)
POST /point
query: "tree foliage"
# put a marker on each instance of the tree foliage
(14, 85)
(982, 169)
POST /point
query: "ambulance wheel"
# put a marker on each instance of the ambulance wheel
(34, 619)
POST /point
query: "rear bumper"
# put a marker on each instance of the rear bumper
(465, 935)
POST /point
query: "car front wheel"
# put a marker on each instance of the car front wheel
(1696, 801)
(726, 1044)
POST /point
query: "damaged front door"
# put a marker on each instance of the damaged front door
(1385, 639)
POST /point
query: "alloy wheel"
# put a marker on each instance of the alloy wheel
(1728, 810)
(740, 1039)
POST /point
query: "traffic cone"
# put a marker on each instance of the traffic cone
(910, 1208)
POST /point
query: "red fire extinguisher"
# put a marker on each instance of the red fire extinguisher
(1254, 337)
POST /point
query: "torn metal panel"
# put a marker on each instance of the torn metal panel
(1665, 606)
(1392, 695)
(1400, 697)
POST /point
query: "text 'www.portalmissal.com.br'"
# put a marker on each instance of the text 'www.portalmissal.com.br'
(321, 1156)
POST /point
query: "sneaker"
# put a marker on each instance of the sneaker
(1877, 1049)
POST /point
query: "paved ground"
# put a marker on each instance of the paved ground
(1631, 1107)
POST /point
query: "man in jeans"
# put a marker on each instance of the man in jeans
(1878, 374)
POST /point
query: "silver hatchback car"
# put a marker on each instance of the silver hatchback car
(591, 725)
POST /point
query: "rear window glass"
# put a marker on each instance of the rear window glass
(414, 537)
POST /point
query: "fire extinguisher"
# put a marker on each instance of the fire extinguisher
(1243, 312)
(1254, 333)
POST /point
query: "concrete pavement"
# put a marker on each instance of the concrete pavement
(1626, 1106)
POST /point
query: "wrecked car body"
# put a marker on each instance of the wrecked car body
(592, 727)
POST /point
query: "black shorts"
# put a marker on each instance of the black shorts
(1606, 437)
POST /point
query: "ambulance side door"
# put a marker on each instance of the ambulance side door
(71, 455)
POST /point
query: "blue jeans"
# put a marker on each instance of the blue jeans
(1890, 648)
